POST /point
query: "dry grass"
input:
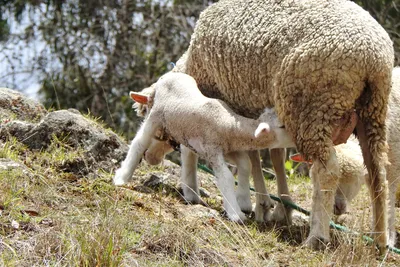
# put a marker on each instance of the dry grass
(53, 217)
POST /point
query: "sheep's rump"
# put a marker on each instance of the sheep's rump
(313, 60)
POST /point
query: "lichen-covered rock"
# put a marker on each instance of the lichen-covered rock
(14, 105)
(102, 147)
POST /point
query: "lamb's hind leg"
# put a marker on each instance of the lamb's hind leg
(324, 178)
(264, 203)
(137, 148)
(282, 213)
(225, 183)
(376, 182)
(189, 181)
(242, 161)
(393, 182)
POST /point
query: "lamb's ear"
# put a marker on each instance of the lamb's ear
(139, 98)
(263, 128)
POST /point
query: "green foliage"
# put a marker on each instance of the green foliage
(4, 29)
(96, 52)
(387, 13)
(11, 149)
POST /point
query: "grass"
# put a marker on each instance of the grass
(54, 216)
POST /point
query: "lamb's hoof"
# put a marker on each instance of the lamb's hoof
(238, 217)
(393, 239)
(317, 243)
(121, 177)
(263, 212)
(282, 215)
(245, 204)
(118, 180)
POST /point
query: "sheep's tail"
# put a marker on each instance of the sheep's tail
(371, 108)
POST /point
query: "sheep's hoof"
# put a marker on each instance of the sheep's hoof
(282, 215)
(339, 207)
(317, 243)
(192, 197)
(383, 250)
(381, 243)
(196, 201)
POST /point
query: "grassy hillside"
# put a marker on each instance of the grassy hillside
(52, 215)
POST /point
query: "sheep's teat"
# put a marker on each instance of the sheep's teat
(344, 128)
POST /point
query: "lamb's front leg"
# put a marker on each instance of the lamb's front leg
(225, 183)
(324, 178)
(189, 182)
(264, 203)
(137, 148)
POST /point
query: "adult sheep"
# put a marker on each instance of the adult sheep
(314, 61)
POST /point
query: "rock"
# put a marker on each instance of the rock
(9, 165)
(103, 148)
(198, 211)
(14, 105)
(153, 182)
(18, 129)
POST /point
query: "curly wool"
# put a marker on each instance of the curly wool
(313, 60)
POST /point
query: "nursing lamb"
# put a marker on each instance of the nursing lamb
(207, 126)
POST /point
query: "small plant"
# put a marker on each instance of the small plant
(11, 149)
(291, 167)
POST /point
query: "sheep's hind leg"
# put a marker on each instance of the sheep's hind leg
(376, 182)
(225, 183)
(282, 214)
(189, 181)
(137, 148)
(324, 178)
(264, 203)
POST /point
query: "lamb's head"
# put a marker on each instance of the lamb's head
(160, 144)
(270, 123)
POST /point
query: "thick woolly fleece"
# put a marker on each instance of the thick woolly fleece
(313, 60)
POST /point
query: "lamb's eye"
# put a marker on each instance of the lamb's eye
(282, 126)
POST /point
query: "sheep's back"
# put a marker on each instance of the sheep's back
(306, 58)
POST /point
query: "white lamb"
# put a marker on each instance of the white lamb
(207, 126)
